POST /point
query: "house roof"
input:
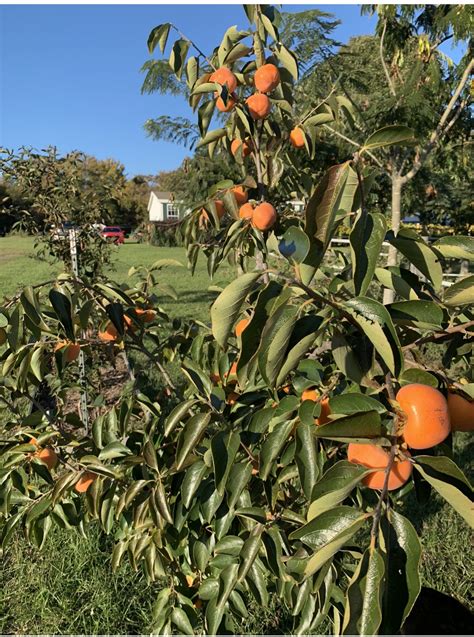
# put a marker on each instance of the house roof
(162, 195)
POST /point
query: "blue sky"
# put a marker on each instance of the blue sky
(70, 75)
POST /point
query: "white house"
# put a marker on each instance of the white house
(162, 207)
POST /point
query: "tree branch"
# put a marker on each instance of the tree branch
(351, 141)
(442, 127)
(384, 64)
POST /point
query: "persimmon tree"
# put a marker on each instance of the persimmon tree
(309, 411)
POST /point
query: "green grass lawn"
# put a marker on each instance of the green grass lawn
(69, 587)
(19, 267)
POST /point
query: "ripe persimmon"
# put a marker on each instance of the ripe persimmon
(461, 412)
(224, 76)
(313, 394)
(237, 143)
(375, 457)
(71, 350)
(48, 456)
(109, 334)
(85, 481)
(427, 417)
(231, 376)
(264, 216)
(227, 106)
(297, 138)
(241, 325)
(240, 195)
(266, 78)
(259, 105)
(246, 211)
(146, 316)
(220, 210)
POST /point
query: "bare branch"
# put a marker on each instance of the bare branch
(384, 64)
(442, 127)
(351, 141)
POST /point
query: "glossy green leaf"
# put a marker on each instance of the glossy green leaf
(212, 136)
(353, 402)
(190, 436)
(327, 534)
(63, 310)
(460, 293)
(355, 426)
(405, 283)
(294, 245)
(457, 247)
(224, 447)
(306, 457)
(334, 487)
(421, 314)
(366, 237)
(181, 621)
(272, 447)
(177, 414)
(275, 343)
(239, 477)
(158, 36)
(363, 611)
(389, 136)
(227, 306)
(402, 553)
(450, 482)
(374, 320)
(192, 479)
(426, 260)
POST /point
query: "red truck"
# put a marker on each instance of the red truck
(114, 233)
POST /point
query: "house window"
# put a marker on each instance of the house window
(172, 212)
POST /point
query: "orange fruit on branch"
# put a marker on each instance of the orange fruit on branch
(375, 457)
(227, 106)
(427, 417)
(240, 194)
(84, 482)
(110, 333)
(297, 138)
(48, 456)
(266, 78)
(246, 211)
(237, 143)
(461, 412)
(224, 77)
(264, 216)
(313, 394)
(71, 352)
(241, 325)
(146, 316)
(259, 105)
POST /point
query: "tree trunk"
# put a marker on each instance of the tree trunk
(389, 295)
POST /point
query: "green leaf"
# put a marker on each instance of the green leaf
(181, 621)
(177, 415)
(460, 293)
(415, 375)
(366, 237)
(402, 549)
(287, 59)
(334, 487)
(193, 478)
(455, 247)
(318, 119)
(450, 482)
(224, 447)
(363, 611)
(198, 378)
(272, 447)
(227, 306)
(178, 55)
(334, 194)
(63, 310)
(190, 436)
(212, 136)
(302, 339)
(424, 258)
(294, 245)
(374, 320)
(158, 35)
(420, 314)
(230, 545)
(275, 343)
(389, 136)
(327, 534)
(353, 402)
(250, 550)
(114, 449)
(239, 477)
(358, 426)
(306, 457)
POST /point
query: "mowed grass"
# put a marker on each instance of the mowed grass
(68, 588)
(20, 267)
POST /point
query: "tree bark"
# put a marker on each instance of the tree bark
(389, 295)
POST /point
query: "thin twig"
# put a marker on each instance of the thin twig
(384, 64)
(353, 143)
